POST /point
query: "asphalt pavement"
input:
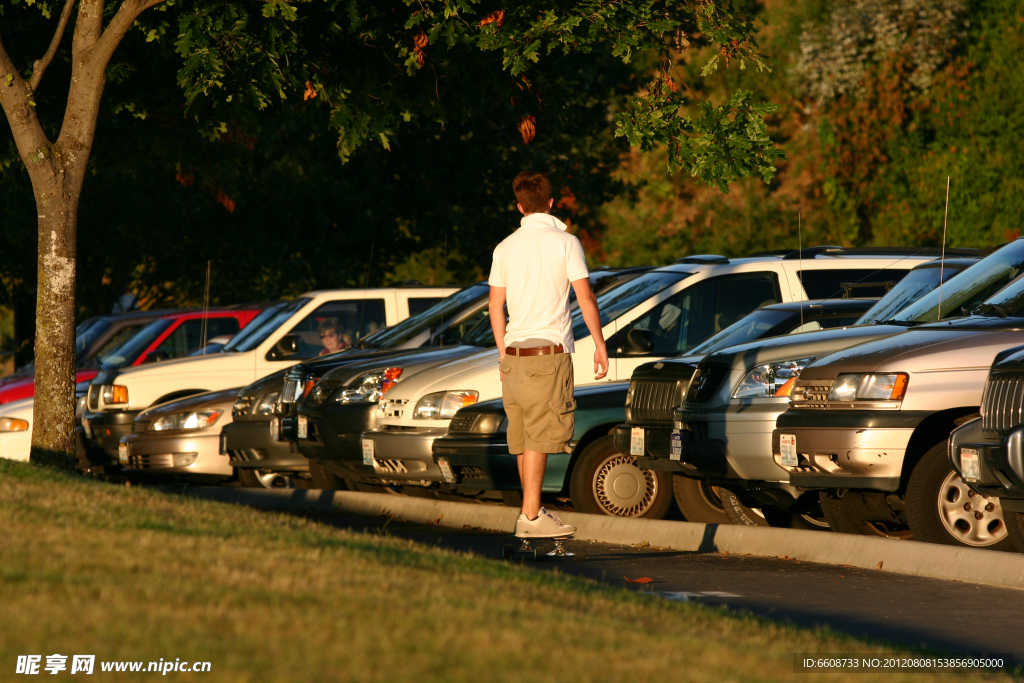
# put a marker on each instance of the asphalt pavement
(948, 616)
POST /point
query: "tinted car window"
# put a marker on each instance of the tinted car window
(443, 310)
(119, 338)
(133, 348)
(189, 336)
(87, 333)
(687, 318)
(754, 326)
(828, 284)
(417, 304)
(915, 285)
(264, 325)
(618, 300)
(351, 320)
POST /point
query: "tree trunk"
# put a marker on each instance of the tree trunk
(53, 429)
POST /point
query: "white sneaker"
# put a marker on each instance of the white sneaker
(546, 525)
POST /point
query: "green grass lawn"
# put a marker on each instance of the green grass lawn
(130, 574)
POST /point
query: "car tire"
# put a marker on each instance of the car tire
(941, 508)
(606, 482)
(844, 518)
(809, 521)
(699, 501)
(1015, 529)
(738, 513)
(324, 479)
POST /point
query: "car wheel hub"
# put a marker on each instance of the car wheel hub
(968, 517)
(274, 480)
(622, 489)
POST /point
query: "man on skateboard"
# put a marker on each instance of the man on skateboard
(532, 271)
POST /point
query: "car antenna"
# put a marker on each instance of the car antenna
(942, 256)
(444, 267)
(800, 253)
(366, 285)
(206, 308)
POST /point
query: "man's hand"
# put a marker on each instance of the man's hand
(600, 361)
(501, 375)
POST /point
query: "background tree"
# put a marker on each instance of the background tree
(374, 66)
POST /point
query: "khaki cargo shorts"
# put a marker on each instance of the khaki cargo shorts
(537, 393)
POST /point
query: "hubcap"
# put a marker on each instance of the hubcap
(970, 518)
(274, 480)
(622, 489)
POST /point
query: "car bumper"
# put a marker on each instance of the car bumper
(479, 462)
(847, 449)
(654, 443)
(1001, 462)
(104, 430)
(334, 439)
(405, 457)
(249, 444)
(154, 453)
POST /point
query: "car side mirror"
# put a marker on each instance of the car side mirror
(639, 342)
(288, 345)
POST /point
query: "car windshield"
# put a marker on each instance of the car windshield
(750, 328)
(423, 322)
(966, 291)
(128, 352)
(628, 295)
(1008, 302)
(915, 285)
(264, 325)
(87, 333)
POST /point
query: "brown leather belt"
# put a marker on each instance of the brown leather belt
(537, 351)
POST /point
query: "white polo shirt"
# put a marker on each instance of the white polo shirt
(535, 265)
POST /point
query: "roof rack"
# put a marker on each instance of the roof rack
(811, 252)
(704, 258)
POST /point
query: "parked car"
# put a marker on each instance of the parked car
(988, 453)
(343, 403)
(16, 429)
(181, 439)
(599, 479)
(723, 438)
(94, 338)
(869, 427)
(282, 335)
(664, 312)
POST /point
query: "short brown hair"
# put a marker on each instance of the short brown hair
(533, 192)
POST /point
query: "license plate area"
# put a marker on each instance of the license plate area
(368, 451)
(675, 447)
(787, 448)
(122, 453)
(446, 470)
(970, 464)
(303, 427)
(636, 441)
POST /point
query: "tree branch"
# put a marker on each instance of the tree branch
(88, 29)
(40, 64)
(16, 100)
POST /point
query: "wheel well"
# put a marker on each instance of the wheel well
(175, 395)
(932, 430)
(592, 435)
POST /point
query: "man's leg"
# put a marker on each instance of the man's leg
(532, 465)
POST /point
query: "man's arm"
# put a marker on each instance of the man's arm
(592, 316)
(496, 309)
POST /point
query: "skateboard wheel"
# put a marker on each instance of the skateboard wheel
(508, 551)
(538, 555)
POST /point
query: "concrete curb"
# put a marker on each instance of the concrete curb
(970, 565)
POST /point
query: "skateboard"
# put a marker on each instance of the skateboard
(530, 547)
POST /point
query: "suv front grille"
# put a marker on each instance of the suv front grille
(810, 394)
(706, 381)
(463, 424)
(294, 382)
(392, 466)
(653, 401)
(93, 397)
(1002, 405)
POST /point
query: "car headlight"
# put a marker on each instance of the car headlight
(869, 386)
(196, 419)
(366, 388)
(771, 379)
(267, 403)
(13, 424)
(443, 405)
(114, 393)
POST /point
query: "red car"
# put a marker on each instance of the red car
(169, 336)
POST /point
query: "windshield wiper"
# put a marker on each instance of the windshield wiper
(904, 323)
(985, 309)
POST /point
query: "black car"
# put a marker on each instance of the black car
(988, 452)
(598, 477)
